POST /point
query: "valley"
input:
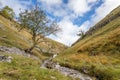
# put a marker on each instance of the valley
(95, 56)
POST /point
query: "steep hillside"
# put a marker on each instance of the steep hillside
(16, 64)
(111, 16)
(9, 36)
(98, 53)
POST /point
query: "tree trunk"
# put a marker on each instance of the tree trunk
(34, 42)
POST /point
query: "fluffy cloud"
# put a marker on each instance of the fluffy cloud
(91, 1)
(68, 34)
(53, 2)
(54, 7)
(72, 9)
(79, 6)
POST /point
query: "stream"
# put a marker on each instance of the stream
(64, 70)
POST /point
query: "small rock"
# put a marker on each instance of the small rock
(9, 59)
(4, 58)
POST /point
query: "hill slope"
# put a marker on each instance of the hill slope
(98, 53)
(21, 66)
(9, 36)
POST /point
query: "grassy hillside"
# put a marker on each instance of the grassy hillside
(21, 67)
(97, 54)
(9, 36)
(24, 68)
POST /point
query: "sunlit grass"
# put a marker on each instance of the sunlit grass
(98, 53)
(25, 68)
(11, 36)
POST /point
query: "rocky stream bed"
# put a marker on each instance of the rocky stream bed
(46, 63)
(64, 70)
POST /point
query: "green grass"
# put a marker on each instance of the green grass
(100, 66)
(98, 53)
(11, 37)
(24, 68)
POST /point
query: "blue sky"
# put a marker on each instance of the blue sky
(71, 15)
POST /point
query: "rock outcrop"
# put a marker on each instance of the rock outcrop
(13, 50)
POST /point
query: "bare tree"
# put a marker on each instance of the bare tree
(81, 34)
(35, 19)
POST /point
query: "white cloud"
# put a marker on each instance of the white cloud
(91, 1)
(54, 7)
(78, 6)
(53, 2)
(68, 34)
(71, 9)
